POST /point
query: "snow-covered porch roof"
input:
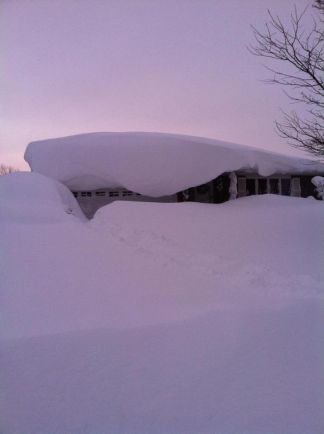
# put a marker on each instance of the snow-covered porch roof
(152, 164)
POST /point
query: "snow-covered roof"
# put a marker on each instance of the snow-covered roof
(153, 164)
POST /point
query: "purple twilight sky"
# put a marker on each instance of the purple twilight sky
(74, 66)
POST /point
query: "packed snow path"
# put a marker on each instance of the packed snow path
(160, 318)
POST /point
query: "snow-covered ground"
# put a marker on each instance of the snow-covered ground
(160, 318)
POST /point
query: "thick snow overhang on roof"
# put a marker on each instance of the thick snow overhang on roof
(153, 164)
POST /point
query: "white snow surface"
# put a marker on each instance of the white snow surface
(318, 181)
(153, 164)
(26, 196)
(155, 318)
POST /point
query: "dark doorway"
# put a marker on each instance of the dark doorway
(250, 186)
(306, 186)
(274, 186)
(285, 187)
(221, 189)
(262, 186)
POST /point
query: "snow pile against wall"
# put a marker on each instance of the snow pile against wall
(31, 197)
(318, 181)
(153, 164)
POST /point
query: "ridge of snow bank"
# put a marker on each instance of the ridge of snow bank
(31, 197)
(152, 164)
(137, 264)
(159, 318)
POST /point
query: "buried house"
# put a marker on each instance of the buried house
(100, 168)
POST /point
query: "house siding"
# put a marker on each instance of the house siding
(214, 191)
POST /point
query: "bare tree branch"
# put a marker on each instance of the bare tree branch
(319, 4)
(299, 53)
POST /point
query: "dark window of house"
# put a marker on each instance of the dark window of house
(127, 193)
(203, 189)
(307, 188)
(274, 186)
(113, 193)
(250, 186)
(100, 193)
(86, 193)
(192, 194)
(75, 194)
(285, 187)
(262, 186)
(220, 189)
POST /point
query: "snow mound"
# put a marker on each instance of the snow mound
(318, 181)
(152, 164)
(159, 318)
(31, 197)
(141, 264)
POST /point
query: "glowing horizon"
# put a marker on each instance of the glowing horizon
(72, 67)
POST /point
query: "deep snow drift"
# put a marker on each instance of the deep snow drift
(152, 164)
(163, 318)
(32, 198)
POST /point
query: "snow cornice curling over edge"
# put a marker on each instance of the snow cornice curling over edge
(153, 164)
